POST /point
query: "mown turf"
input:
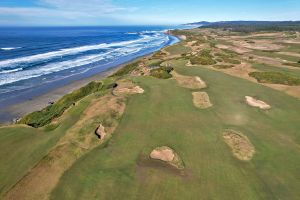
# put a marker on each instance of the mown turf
(165, 115)
(23, 147)
(178, 49)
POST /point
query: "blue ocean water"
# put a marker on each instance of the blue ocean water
(32, 58)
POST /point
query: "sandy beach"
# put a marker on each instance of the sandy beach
(18, 110)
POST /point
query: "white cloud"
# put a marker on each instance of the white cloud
(66, 11)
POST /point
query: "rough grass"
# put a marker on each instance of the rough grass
(178, 49)
(203, 58)
(162, 72)
(275, 78)
(165, 116)
(23, 147)
(45, 116)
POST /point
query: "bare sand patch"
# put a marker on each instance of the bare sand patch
(126, 87)
(257, 103)
(201, 100)
(168, 155)
(240, 145)
(238, 50)
(266, 45)
(191, 82)
(100, 132)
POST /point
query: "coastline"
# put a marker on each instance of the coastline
(18, 110)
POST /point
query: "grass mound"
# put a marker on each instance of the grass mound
(178, 49)
(45, 116)
(126, 70)
(203, 58)
(240, 145)
(162, 72)
(275, 78)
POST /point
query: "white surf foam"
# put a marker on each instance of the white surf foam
(69, 51)
(9, 48)
(125, 48)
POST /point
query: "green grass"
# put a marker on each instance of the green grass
(45, 116)
(126, 69)
(162, 72)
(23, 147)
(178, 49)
(275, 55)
(165, 115)
(275, 78)
(268, 68)
(203, 58)
(153, 63)
(223, 66)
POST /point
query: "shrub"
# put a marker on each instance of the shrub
(203, 58)
(126, 70)
(223, 66)
(162, 72)
(45, 116)
(275, 78)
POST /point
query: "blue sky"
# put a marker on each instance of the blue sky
(135, 12)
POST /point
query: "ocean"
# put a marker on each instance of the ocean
(35, 60)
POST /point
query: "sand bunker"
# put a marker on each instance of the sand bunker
(240, 145)
(191, 82)
(201, 100)
(127, 87)
(100, 132)
(257, 103)
(168, 155)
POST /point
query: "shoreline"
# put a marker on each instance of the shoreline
(19, 110)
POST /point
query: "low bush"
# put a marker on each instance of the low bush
(126, 70)
(223, 66)
(162, 72)
(45, 116)
(203, 58)
(275, 78)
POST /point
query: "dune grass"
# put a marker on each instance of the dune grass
(165, 115)
(178, 49)
(22, 147)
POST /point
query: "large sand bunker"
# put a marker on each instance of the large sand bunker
(201, 100)
(257, 103)
(191, 82)
(240, 145)
(168, 155)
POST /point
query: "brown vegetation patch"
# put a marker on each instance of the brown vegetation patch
(191, 82)
(290, 54)
(266, 45)
(168, 155)
(240, 145)
(257, 103)
(239, 50)
(201, 100)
